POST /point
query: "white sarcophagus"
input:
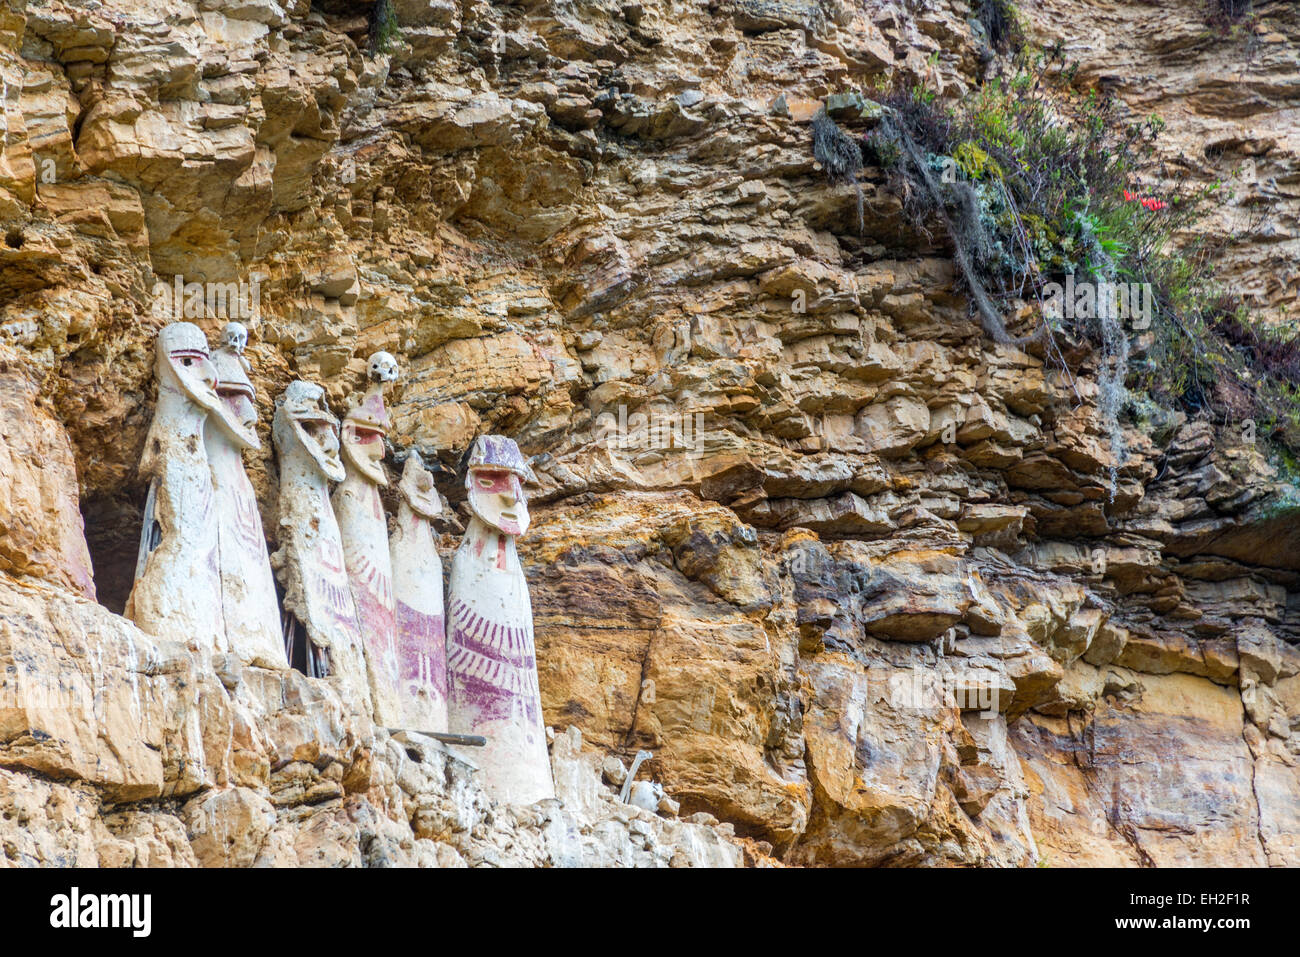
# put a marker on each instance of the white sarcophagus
(364, 531)
(177, 590)
(249, 608)
(491, 660)
(417, 593)
(320, 620)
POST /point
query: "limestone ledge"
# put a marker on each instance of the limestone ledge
(118, 750)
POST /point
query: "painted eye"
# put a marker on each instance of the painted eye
(485, 483)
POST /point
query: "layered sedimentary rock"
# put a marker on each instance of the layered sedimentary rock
(122, 750)
(42, 532)
(787, 552)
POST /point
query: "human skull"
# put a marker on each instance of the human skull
(646, 795)
(382, 367)
(234, 337)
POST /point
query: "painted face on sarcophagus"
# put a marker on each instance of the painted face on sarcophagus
(304, 418)
(235, 390)
(497, 497)
(185, 366)
(418, 489)
(364, 429)
(495, 478)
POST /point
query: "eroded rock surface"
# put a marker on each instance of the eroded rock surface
(773, 547)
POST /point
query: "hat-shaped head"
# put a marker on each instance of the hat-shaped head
(495, 476)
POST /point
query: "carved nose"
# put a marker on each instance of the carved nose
(507, 498)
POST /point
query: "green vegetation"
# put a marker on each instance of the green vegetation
(1226, 13)
(1033, 182)
(1287, 501)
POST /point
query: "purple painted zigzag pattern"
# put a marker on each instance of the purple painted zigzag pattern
(494, 665)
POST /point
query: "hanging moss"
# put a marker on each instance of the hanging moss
(384, 28)
(958, 207)
(1002, 26)
(839, 155)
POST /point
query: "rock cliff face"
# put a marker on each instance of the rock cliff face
(797, 516)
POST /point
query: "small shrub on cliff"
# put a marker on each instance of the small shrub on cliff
(1033, 183)
(1235, 21)
(1215, 360)
(1225, 13)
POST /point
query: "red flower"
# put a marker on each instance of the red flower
(1148, 202)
